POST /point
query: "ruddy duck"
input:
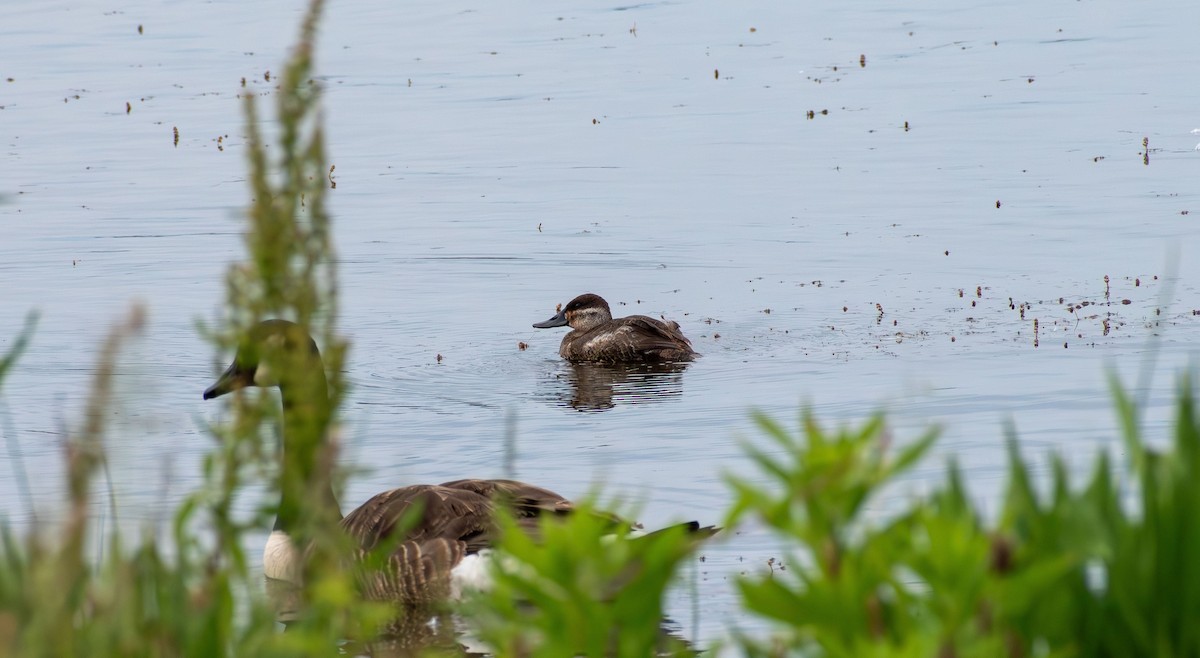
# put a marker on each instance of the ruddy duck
(596, 336)
(446, 528)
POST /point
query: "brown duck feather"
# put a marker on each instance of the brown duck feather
(596, 336)
(632, 338)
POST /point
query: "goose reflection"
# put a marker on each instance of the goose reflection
(436, 631)
(602, 386)
(450, 636)
(413, 633)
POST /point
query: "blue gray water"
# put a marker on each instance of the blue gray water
(770, 175)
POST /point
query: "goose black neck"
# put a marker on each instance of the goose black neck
(306, 488)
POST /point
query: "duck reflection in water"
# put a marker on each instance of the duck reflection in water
(602, 386)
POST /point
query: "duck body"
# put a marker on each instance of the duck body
(423, 542)
(596, 336)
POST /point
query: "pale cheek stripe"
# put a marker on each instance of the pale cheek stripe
(262, 376)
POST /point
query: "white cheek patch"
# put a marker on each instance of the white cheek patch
(263, 376)
(585, 318)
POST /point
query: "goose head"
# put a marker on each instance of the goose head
(274, 353)
(281, 354)
(581, 314)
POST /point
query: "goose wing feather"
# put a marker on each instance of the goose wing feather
(421, 512)
(434, 527)
(525, 502)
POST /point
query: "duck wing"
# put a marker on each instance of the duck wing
(652, 340)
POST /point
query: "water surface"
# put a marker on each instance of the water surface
(846, 206)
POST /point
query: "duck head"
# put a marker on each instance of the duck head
(582, 313)
(274, 342)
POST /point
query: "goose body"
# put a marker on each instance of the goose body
(596, 336)
(439, 551)
(443, 554)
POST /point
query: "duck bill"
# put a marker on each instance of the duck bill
(231, 380)
(559, 320)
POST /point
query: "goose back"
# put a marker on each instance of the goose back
(434, 529)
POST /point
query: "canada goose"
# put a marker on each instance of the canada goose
(596, 336)
(438, 555)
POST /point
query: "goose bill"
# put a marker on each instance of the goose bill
(231, 380)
